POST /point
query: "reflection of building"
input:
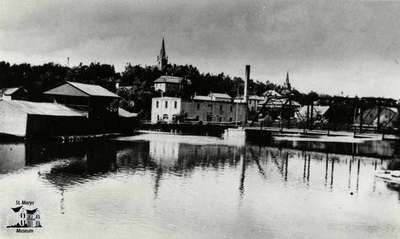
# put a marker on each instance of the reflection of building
(165, 152)
(198, 109)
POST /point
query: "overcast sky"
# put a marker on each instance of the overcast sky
(327, 46)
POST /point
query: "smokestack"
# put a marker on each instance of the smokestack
(247, 78)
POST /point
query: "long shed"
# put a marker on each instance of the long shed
(32, 119)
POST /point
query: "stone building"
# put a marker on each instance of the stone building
(199, 109)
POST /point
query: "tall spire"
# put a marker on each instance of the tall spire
(162, 59)
(162, 51)
(287, 83)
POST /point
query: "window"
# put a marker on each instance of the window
(231, 108)
(210, 106)
(198, 106)
(158, 117)
(165, 116)
(157, 104)
(220, 107)
(166, 104)
(175, 104)
(230, 119)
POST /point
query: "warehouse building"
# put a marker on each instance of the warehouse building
(31, 119)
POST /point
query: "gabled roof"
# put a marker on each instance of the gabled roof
(271, 93)
(169, 79)
(79, 89)
(35, 108)
(317, 110)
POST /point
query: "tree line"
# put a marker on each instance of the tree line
(137, 97)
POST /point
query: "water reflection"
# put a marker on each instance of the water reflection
(258, 174)
(99, 160)
(89, 161)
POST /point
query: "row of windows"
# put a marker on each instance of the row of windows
(166, 104)
(210, 106)
(209, 118)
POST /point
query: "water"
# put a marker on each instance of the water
(163, 186)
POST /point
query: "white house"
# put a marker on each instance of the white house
(165, 109)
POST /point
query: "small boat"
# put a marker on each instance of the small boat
(392, 176)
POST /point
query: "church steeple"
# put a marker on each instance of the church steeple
(162, 59)
(287, 83)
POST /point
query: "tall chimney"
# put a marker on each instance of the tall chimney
(247, 78)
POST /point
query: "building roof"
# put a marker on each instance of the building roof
(81, 89)
(169, 79)
(317, 110)
(276, 103)
(220, 95)
(202, 97)
(35, 108)
(10, 91)
(126, 114)
(256, 97)
(166, 98)
(271, 93)
(16, 209)
(250, 97)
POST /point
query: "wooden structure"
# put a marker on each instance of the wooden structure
(33, 120)
(100, 103)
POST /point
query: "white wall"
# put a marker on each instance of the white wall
(159, 86)
(162, 110)
(12, 121)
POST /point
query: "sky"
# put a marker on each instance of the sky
(335, 47)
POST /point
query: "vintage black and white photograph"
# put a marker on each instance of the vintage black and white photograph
(181, 119)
